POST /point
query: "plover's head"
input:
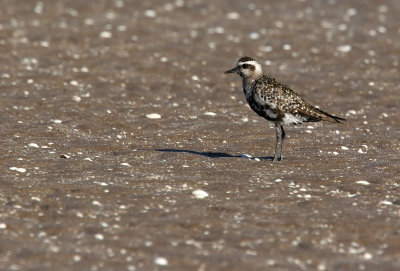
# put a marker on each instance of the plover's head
(247, 67)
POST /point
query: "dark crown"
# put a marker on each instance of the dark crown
(246, 58)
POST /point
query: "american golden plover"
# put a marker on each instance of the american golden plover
(275, 101)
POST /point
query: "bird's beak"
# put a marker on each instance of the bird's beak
(236, 69)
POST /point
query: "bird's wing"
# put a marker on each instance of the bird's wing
(286, 100)
(277, 95)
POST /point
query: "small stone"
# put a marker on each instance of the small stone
(233, 16)
(125, 164)
(76, 98)
(278, 180)
(38, 9)
(199, 194)
(367, 256)
(3, 226)
(248, 156)
(352, 11)
(254, 35)
(210, 114)
(287, 47)
(153, 116)
(363, 182)
(105, 35)
(344, 148)
(99, 236)
(150, 13)
(161, 261)
(386, 202)
(33, 145)
(65, 156)
(97, 203)
(344, 48)
(19, 169)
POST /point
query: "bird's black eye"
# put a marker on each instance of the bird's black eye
(245, 66)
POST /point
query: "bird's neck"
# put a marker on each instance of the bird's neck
(250, 80)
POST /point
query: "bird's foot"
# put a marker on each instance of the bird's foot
(276, 159)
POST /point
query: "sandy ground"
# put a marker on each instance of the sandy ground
(88, 182)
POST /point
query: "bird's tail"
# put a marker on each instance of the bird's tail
(329, 117)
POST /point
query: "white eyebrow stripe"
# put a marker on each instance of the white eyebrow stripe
(251, 62)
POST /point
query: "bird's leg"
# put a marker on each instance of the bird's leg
(278, 136)
(283, 135)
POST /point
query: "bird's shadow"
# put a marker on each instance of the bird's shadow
(213, 154)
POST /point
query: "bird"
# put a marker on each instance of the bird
(276, 101)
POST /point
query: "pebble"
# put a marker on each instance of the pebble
(344, 48)
(97, 203)
(233, 16)
(367, 256)
(38, 9)
(200, 194)
(351, 112)
(74, 83)
(153, 116)
(352, 11)
(210, 114)
(150, 13)
(161, 261)
(254, 35)
(65, 156)
(33, 145)
(99, 236)
(19, 169)
(287, 47)
(386, 202)
(105, 35)
(344, 148)
(363, 182)
(248, 156)
(278, 180)
(125, 164)
(57, 121)
(76, 98)
(3, 225)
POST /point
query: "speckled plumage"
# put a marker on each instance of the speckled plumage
(275, 101)
(266, 93)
